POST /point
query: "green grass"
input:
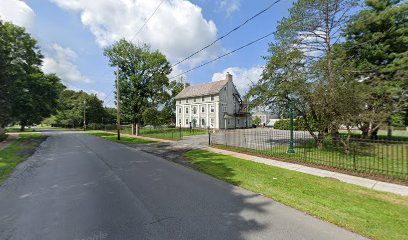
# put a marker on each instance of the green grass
(390, 160)
(367, 212)
(170, 133)
(17, 130)
(123, 139)
(17, 152)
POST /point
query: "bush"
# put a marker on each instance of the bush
(299, 124)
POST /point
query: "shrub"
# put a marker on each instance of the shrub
(299, 124)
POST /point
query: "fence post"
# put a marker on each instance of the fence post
(354, 157)
(209, 137)
(180, 130)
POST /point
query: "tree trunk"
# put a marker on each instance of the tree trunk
(2, 132)
(22, 126)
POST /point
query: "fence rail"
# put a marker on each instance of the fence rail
(387, 158)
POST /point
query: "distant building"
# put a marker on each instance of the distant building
(267, 118)
(216, 105)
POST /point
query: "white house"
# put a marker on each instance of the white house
(216, 105)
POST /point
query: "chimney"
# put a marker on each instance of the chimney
(228, 77)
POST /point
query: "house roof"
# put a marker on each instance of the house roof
(202, 90)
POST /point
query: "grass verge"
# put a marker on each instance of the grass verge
(123, 139)
(386, 161)
(171, 133)
(367, 212)
(17, 152)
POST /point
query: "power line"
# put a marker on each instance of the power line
(228, 33)
(224, 55)
(148, 19)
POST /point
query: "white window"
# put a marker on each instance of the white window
(194, 110)
(202, 122)
(186, 109)
(179, 110)
(224, 108)
(202, 109)
(186, 100)
(180, 101)
(212, 109)
(202, 98)
(212, 98)
(212, 122)
(186, 121)
(179, 121)
(195, 99)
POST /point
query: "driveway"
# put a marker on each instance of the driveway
(77, 186)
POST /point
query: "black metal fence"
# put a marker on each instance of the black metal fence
(375, 157)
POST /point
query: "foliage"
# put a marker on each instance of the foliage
(27, 95)
(302, 72)
(377, 48)
(142, 76)
(257, 121)
(71, 106)
(299, 124)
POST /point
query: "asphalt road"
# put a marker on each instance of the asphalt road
(77, 186)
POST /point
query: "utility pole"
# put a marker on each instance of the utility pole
(117, 100)
(84, 115)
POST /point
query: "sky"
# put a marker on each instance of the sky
(73, 33)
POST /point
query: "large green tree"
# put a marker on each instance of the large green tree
(142, 76)
(72, 105)
(377, 46)
(26, 94)
(303, 73)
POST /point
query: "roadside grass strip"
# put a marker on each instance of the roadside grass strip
(18, 152)
(123, 139)
(370, 213)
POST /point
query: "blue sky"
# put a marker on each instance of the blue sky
(73, 33)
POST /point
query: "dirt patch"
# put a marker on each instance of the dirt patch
(30, 146)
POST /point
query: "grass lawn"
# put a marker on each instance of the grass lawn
(170, 133)
(17, 129)
(123, 139)
(367, 212)
(17, 152)
(381, 159)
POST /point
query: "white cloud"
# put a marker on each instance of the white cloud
(242, 77)
(228, 6)
(60, 60)
(177, 29)
(17, 12)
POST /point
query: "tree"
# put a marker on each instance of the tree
(257, 121)
(71, 106)
(143, 78)
(37, 100)
(26, 94)
(302, 72)
(377, 47)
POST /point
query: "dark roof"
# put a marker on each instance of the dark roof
(202, 90)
